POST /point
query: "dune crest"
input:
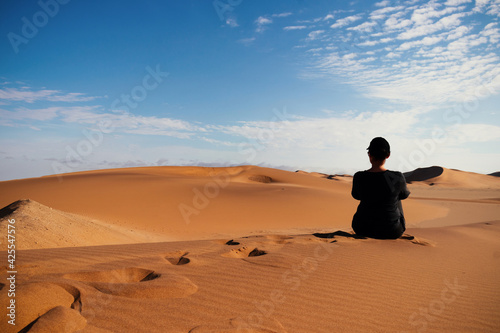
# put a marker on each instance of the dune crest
(338, 177)
(39, 226)
(443, 177)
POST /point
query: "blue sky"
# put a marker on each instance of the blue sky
(289, 84)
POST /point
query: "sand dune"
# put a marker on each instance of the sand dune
(439, 176)
(339, 177)
(187, 203)
(255, 250)
(182, 203)
(39, 226)
(440, 280)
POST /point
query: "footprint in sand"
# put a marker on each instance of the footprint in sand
(178, 258)
(227, 242)
(244, 252)
(59, 319)
(136, 282)
(45, 307)
(418, 241)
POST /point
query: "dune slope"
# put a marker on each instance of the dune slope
(38, 226)
(440, 280)
(442, 177)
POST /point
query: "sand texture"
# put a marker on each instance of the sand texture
(247, 249)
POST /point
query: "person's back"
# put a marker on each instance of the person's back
(380, 213)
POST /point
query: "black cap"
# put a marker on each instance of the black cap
(379, 147)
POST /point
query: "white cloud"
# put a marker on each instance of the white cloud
(392, 55)
(89, 115)
(425, 29)
(381, 13)
(130, 123)
(231, 22)
(263, 20)
(492, 32)
(480, 5)
(24, 117)
(457, 2)
(458, 32)
(23, 113)
(294, 27)
(282, 14)
(247, 41)
(346, 21)
(326, 132)
(396, 23)
(261, 23)
(463, 44)
(369, 43)
(437, 84)
(383, 3)
(26, 95)
(424, 54)
(314, 34)
(424, 15)
(490, 7)
(364, 27)
(448, 73)
(426, 41)
(465, 133)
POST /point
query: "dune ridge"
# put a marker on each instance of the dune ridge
(451, 178)
(39, 226)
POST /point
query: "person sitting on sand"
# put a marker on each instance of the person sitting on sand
(380, 213)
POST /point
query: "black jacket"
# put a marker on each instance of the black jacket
(380, 213)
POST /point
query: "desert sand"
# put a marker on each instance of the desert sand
(246, 249)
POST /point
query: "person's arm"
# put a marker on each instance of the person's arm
(404, 193)
(356, 191)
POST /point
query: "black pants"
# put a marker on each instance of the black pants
(391, 232)
(372, 229)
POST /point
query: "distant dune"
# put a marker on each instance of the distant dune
(495, 174)
(183, 203)
(191, 202)
(340, 177)
(439, 176)
(424, 174)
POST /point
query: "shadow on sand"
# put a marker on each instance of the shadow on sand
(352, 235)
(338, 233)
